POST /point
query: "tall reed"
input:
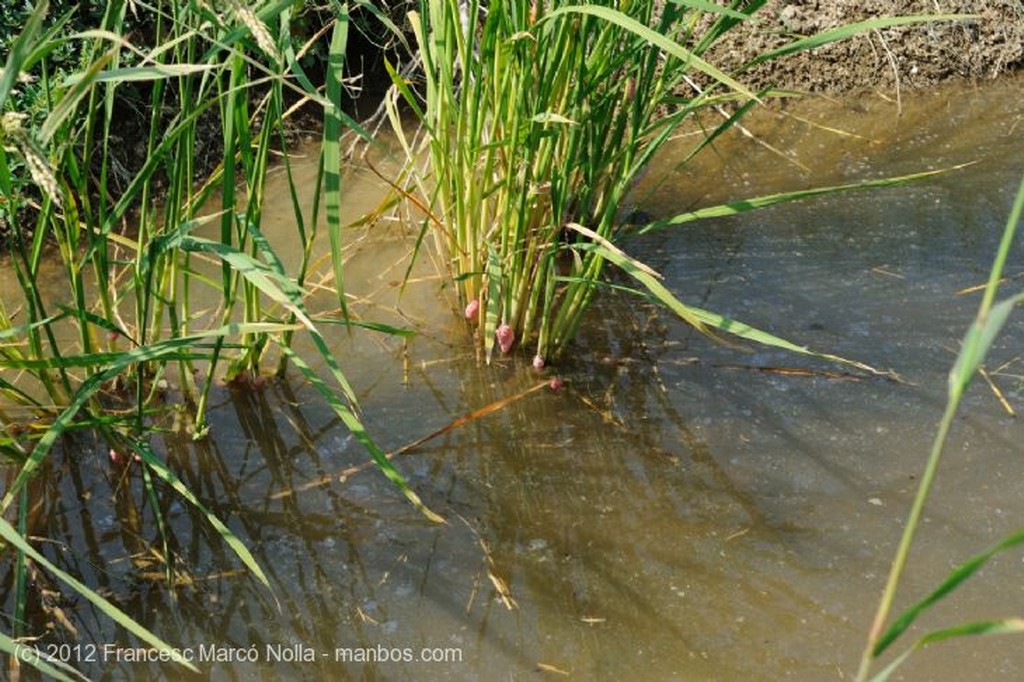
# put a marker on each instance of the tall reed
(537, 120)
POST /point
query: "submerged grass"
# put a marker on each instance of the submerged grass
(537, 120)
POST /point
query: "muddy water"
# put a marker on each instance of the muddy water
(681, 510)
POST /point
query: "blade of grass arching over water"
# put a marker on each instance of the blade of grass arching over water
(737, 207)
(355, 426)
(958, 576)
(745, 331)
(277, 286)
(9, 534)
(271, 281)
(1006, 626)
(702, 320)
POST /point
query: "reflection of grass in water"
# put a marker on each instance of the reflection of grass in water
(983, 331)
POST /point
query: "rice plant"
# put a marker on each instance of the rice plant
(116, 322)
(983, 331)
(537, 119)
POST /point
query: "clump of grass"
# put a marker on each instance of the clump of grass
(117, 315)
(537, 119)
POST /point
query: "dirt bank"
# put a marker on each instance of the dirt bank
(904, 57)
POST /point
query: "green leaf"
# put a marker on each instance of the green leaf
(1006, 626)
(331, 151)
(710, 7)
(551, 117)
(849, 30)
(355, 426)
(146, 73)
(956, 577)
(8, 533)
(69, 102)
(493, 303)
(277, 286)
(168, 477)
(697, 317)
(976, 343)
(656, 39)
(20, 49)
(737, 207)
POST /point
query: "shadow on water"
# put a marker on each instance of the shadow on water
(680, 510)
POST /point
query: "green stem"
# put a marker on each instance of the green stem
(903, 551)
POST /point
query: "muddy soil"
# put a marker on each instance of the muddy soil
(888, 60)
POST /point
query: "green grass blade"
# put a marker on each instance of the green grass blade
(956, 577)
(1005, 245)
(380, 327)
(30, 655)
(976, 343)
(1006, 626)
(656, 39)
(737, 207)
(270, 279)
(697, 317)
(978, 340)
(641, 273)
(745, 331)
(20, 49)
(8, 533)
(129, 74)
(850, 30)
(275, 285)
(492, 305)
(69, 102)
(403, 89)
(168, 477)
(331, 150)
(355, 426)
(712, 8)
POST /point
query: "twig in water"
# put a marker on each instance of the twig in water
(999, 394)
(454, 424)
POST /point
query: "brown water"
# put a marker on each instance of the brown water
(679, 510)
